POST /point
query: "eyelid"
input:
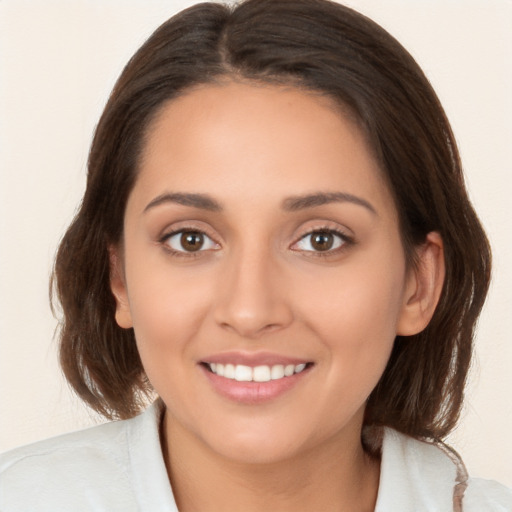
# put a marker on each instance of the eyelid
(346, 239)
(187, 225)
(180, 233)
(183, 227)
(199, 227)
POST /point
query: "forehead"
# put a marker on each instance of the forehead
(250, 140)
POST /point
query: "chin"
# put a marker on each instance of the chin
(256, 451)
(265, 441)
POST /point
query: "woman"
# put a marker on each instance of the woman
(276, 240)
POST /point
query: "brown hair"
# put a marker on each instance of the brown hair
(322, 46)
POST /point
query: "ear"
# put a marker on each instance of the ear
(423, 287)
(118, 288)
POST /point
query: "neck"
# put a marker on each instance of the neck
(315, 480)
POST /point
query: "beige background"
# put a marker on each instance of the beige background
(58, 61)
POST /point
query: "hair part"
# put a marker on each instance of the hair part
(330, 49)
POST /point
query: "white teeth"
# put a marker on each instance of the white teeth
(229, 371)
(261, 373)
(289, 370)
(277, 372)
(243, 373)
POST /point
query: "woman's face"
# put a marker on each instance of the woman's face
(262, 270)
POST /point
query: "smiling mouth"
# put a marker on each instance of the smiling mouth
(262, 373)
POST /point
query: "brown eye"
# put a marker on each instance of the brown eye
(192, 241)
(188, 241)
(322, 240)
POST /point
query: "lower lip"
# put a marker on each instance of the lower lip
(253, 392)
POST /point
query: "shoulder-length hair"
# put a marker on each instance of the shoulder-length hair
(317, 45)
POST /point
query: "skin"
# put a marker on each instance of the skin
(258, 284)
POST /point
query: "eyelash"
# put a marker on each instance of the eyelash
(346, 241)
(164, 241)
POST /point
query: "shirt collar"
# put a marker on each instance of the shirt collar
(418, 476)
(415, 476)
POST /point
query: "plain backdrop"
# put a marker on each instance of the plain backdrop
(58, 62)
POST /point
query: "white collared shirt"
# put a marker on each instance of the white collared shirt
(119, 467)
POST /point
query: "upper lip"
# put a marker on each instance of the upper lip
(253, 359)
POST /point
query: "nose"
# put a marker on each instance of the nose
(252, 299)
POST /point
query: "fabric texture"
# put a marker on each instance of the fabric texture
(119, 467)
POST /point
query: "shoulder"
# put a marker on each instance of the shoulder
(103, 444)
(487, 495)
(57, 470)
(425, 476)
(92, 469)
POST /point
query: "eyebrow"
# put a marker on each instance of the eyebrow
(202, 201)
(295, 203)
(290, 204)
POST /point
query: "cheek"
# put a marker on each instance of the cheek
(355, 313)
(167, 308)
(365, 297)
